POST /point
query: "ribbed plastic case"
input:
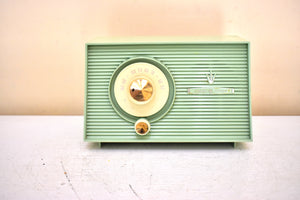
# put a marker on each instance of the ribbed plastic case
(212, 89)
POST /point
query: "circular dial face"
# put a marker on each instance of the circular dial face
(141, 89)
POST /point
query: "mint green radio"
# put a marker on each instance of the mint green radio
(167, 90)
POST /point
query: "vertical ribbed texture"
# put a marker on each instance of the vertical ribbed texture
(210, 117)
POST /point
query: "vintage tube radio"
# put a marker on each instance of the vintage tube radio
(167, 90)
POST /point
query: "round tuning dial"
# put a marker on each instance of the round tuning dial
(142, 87)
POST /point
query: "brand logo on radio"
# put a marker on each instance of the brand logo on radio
(211, 77)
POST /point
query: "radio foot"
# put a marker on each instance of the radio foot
(234, 144)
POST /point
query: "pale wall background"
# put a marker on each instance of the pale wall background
(42, 46)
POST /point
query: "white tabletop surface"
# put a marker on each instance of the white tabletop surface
(44, 157)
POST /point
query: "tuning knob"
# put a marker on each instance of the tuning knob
(141, 90)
